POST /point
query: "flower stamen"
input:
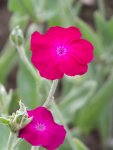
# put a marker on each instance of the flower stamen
(61, 50)
(40, 127)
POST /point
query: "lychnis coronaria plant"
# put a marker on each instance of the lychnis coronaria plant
(58, 52)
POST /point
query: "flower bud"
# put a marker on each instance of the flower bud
(19, 119)
(16, 36)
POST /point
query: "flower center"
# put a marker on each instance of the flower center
(40, 127)
(61, 50)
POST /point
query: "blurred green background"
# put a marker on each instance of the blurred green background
(86, 102)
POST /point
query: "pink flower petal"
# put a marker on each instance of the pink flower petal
(52, 71)
(36, 38)
(54, 136)
(50, 68)
(41, 114)
(30, 134)
(61, 35)
(70, 67)
(82, 51)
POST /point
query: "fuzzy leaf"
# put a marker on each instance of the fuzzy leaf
(4, 121)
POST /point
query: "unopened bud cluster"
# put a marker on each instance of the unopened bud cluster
(19, 119)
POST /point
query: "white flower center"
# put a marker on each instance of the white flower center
(40, 127)
(61, 50)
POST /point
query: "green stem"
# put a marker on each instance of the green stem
(26, 62)
(17, 143)
(101, 6)
(59, 114)
(51, 93)
(11, 140)
(61, 118)
(34, 148)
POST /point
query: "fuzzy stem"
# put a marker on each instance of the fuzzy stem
(101, 6)
(59, 114)
(34, 148)
(51, 93)
(11, 140)
(23, 57)
(17, 143)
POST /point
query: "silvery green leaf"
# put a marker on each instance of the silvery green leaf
(4, 121)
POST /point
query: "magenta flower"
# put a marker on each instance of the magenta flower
(43, 131)
(60, 51)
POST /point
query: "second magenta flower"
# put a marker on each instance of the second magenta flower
(42, 130)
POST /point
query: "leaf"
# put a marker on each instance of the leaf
(105, 123)
(79, 145)
(7, 62)
(4, 121)
(18, 20)
(104, 28)
(23, 7)
(101, 26)
(46, 15)
(78, 92)
(23, 145)
(109, 27)
(95, 106)
(76, 99)
(65, 13)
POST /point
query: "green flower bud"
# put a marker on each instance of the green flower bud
(16, 36)
(19, 119)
